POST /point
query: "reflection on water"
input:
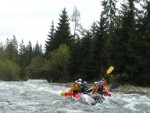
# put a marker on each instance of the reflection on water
(38, 96)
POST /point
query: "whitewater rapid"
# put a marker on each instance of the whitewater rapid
(39, 96)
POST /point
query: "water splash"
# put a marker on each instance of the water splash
(38, 96)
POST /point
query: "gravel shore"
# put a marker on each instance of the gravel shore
(133, 89)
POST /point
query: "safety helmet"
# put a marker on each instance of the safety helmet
(79, 83)
(101, 82)
(95, 82)
(85, 83)
(80, 80)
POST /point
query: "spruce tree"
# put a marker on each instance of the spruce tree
(144, 30)
(129, 41)
(12, 49)
(109, 13)
(99, 51)
(75, 59)
(22, 54)
(28, 53)
(37, 51)
(49, 42)
(62, 35)
(86, 56)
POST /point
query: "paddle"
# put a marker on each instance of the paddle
(113, 86)
(110, 69)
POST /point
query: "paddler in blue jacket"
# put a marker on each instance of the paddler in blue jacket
(83, 88)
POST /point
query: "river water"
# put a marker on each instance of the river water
(38, 96)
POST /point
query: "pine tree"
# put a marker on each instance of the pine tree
(86, 56)
(22, 54)
(12, 49)
(129, 41)
(99, 51)
(37, 50)
(62, 35)
(49, 42)
(144, 35)
(109, 13)
(75, 59)
(28, 54)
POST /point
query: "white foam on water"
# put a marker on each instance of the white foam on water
(87, 99)
(131, 106)
(131, 100)
(34, 95)
(144, 99)
(63, 110)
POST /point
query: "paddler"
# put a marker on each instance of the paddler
(76, 86)
(92, 89)
(83, 88)
(74, 89)
(101, 89)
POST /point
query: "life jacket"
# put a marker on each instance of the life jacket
(95, 90)
(69, 92)
(75, 86)
(105, 89)
(104, 83)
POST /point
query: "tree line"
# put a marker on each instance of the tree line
(120, 38)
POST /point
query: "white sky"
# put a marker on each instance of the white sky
(31, 19)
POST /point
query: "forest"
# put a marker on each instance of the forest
(120, 38)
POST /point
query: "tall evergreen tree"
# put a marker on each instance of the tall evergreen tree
(86, 56)
(37, 50)
(22, 54)
(99, 51)
(109, 13)
(75, 59)
(144, 35)
(49, 43)
(128, 40)
(62, 35)
(12, 49)
(28, 54)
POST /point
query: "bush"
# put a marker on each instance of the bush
(9, 70)
(34, 70)
(57, 65)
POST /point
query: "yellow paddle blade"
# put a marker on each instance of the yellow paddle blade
(111, 68)
(62, 94)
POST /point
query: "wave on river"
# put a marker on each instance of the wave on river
(39, 96)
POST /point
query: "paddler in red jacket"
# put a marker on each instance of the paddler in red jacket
(74, 89)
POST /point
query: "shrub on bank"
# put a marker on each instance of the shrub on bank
(9, 70)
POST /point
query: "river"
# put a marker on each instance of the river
(39, 96)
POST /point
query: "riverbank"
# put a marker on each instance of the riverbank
(132, 89)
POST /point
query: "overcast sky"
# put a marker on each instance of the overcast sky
(31, 19)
